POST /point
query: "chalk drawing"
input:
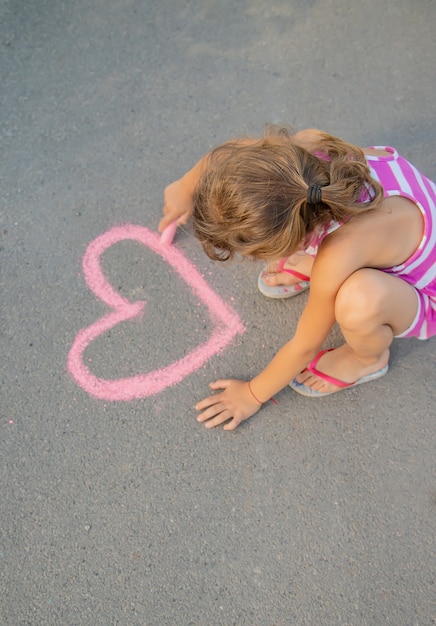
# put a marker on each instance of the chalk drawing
(226, 322)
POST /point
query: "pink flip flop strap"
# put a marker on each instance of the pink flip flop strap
(330, 379)
(281, 268)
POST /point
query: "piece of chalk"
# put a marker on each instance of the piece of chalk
(168, 233)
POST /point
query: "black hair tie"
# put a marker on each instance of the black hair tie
(314, 194)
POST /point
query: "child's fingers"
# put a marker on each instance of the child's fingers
(164, 223)
(207, 402)
(211, 411)
(183, 218)
(167, 219)
(219, 419)
(220, 384)
(220, 408)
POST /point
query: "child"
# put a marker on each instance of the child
(360, 225)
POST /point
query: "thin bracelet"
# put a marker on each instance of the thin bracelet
(257, 399)
(251, 391)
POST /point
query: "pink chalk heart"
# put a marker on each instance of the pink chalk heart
(226, 322)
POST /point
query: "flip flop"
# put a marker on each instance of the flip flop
(283, 291)
(305, 390)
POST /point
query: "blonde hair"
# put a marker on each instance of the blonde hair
(252, 198)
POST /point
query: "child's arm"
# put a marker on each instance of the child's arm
(178, 196)
(240, 400)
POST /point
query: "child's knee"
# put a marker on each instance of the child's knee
(359, 299)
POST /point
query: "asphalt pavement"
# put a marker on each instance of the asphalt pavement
(117, 507)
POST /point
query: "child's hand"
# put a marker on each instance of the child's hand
(235, 403)
(178, 204)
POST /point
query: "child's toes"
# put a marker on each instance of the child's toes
(278, 279)
(271, 279)
(303, 377)
(309, 380)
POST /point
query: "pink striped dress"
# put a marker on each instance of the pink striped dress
(398, 177)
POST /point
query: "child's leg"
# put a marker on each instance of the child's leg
(300, 262)
(371, 307)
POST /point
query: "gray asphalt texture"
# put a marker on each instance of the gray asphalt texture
(314, 512)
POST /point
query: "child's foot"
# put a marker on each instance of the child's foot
(335, 370)
(287, 278)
